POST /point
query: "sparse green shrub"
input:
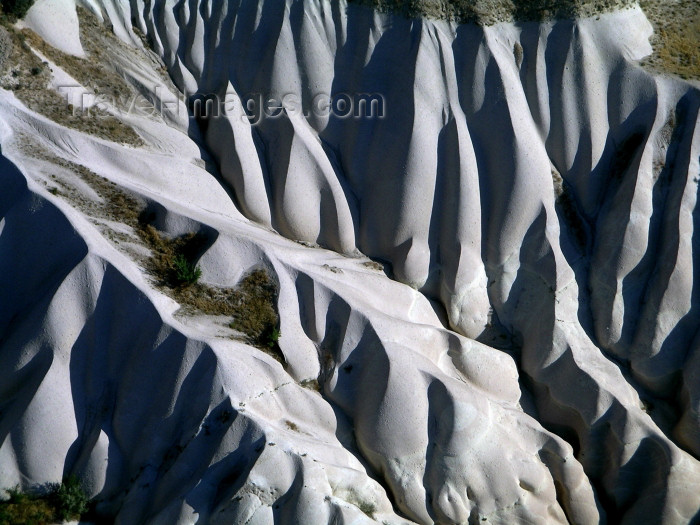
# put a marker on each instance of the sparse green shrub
(368, 508)
(571, 217)
(185, 271)
(273, 337)
(252, 304)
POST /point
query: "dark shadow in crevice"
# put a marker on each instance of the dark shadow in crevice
(349, 373)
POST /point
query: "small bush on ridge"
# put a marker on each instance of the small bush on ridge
(185, 271)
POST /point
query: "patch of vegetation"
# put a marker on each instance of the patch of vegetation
(252, 304)
(186, 272)
(94, 71)
(367, 507)
(374, 265)
(676, 39)
(25, 509)
(255, 310)
(13, 10)
(23, 73)
(489, 12)
(311, 384)
(69, 499)
(172, 259)
(273, 337)
(62, 502)
(5, 47)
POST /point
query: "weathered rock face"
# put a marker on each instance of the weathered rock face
(534, 188)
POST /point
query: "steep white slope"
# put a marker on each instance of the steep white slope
(155, 418)
(164, 421)
(528, 179)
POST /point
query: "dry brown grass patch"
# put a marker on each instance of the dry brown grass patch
(255, 312)
(22, 509)
(676, 39)
(251, 304)
(28, 78)
(373, 265)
